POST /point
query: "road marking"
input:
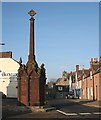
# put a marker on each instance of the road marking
(66, 113)
(71, 113)
(84, 113)
(97, 113)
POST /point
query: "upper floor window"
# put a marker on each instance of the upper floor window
(60, 88)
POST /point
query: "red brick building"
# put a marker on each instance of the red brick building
(97, 84)
(91, 81)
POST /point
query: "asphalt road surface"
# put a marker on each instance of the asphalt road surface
(66, 109)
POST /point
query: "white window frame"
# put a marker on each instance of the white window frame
(91, 91)
(60, 88)
(88, 93)
(91, 75)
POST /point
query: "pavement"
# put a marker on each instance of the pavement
(90, 103)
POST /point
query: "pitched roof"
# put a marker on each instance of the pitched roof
(97, 71)
(87, 72)
(62, 81)
(95, 67)
(79, 73)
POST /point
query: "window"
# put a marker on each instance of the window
(88, 93)
(91, 89)
(83, 92)
(60, 88)
(90, 74)
(80, 84)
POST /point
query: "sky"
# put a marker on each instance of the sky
(51, 0)
(66, 34)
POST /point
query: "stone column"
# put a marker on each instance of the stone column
(31, 49)
(31, 78)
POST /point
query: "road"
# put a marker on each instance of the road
(74, 109)
(64, 109)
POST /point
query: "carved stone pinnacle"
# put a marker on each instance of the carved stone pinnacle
(31, 13)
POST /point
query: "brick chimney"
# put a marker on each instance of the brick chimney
(6, 54)
(77, 68)
(94, 61)
(83, 71)
(71, 73)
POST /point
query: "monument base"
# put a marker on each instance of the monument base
(37, 109)
(41, 108)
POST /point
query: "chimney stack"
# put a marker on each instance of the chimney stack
(6, 54)
(77, 68)
(94, 61)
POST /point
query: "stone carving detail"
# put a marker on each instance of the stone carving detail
(31, 78)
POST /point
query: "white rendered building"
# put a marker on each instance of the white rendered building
(8, 74)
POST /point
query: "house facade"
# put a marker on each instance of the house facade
(85, 78)
(86, 83)
(91, 81)
(97, 84)
(72, 83)
(8, 75)
(78, 76)
(62, 86)
(75, 82)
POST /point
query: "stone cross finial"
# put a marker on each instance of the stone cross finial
(31, 13)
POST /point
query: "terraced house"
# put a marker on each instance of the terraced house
(86, 83)
(91, 81)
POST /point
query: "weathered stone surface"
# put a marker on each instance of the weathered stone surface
(31, 78)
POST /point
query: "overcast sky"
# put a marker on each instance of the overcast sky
(66, 34)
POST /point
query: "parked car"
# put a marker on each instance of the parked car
(70, 95)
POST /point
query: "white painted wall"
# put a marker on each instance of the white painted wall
(88, 93)
(8, 76)
(70, 83)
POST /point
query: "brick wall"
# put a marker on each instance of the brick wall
(6, 54)
(97, 86)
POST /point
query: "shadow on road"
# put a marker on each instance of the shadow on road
(62, 103)
(11, 108)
